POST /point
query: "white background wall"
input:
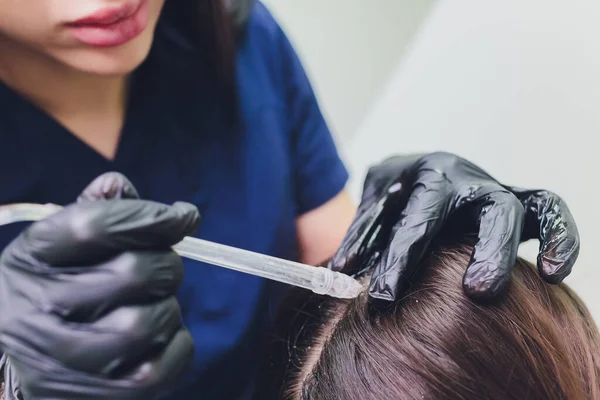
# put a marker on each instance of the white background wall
(513, 86)
(349, 49)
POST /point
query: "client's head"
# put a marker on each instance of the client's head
(537, 342)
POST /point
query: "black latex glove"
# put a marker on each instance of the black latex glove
(406, 202)
(87, 298)
(12, 386)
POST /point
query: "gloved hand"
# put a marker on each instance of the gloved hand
(406, 202)
(87, 298)
(12, 386)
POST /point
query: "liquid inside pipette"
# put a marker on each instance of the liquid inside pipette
(319, 280)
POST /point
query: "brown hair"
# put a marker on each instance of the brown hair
(537, 342)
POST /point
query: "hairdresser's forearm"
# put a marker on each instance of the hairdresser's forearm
(321, 231)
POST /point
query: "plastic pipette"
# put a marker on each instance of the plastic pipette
(318, 279)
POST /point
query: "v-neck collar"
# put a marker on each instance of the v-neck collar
(30, 117)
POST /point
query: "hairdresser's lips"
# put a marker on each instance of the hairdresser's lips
(111, 27)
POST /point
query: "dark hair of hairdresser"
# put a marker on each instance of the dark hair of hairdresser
(537, 342)
(208, 29)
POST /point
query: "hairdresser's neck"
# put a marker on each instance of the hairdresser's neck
(92, 107)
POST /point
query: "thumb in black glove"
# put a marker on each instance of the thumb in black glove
(408, 200)
(87, 298)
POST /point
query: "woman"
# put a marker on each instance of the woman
(193, 109)
(536, 343)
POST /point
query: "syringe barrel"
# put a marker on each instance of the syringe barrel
(248, 262)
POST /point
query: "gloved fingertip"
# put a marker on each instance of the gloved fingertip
(111, 185)
(382, 296)
(553, 270)
(347, 258)
(337, 263)
(170, 365)
(383, 286)
(483, 291)
(483, 282)
(190, 216)
(556, 260)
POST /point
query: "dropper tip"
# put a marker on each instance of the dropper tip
(346, 287)
(336, 284)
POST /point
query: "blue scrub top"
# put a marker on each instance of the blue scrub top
(249, 185)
